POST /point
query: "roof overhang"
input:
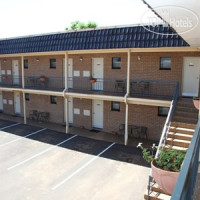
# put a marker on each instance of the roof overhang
(96, 51)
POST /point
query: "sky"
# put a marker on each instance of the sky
(29, 17)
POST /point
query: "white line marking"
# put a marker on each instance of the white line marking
(21, 137)
(81, 168)
(10, 126)
(39, 154)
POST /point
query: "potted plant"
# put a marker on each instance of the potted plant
(4, 77)
(166, 168)
(42, 78)
(93, 80)
(196, 102)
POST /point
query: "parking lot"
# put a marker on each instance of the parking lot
(38, 163)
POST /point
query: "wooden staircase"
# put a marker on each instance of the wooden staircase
(179, 136)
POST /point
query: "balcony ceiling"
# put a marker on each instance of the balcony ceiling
(180, 9)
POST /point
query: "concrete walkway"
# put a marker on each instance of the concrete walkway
(81, 132)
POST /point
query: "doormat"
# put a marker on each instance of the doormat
(94, 130)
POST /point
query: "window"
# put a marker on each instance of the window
(53, 99)
(165, 63)
(26, 64)
(163, 111)
(53, 63)
(115, 106)
(116, 63)
(27, 96)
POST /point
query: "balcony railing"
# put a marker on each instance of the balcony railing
(44, 83)
(10, 81)
(109, 86)
(184, 189)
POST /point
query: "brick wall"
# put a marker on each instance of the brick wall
(42, 103)
(80, 120)
(10, 108)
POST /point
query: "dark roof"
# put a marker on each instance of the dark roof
(108, 38)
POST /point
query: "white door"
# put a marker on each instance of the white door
(1, 102)
(15, 72)
(190, 85)
(97, 73)
(70, 73)
(97, 114)
(17, 103)
(70, 104)
(0, 73)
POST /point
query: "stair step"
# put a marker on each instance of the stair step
(183, 125)
(184, 120)
(181, 130)
(175, 148)
(179, 136)
(177, 142)
(157, 196)
(186, 109)
(186, 114)
(156, 188)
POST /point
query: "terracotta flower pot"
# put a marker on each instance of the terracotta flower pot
(42, 79)
(93, 81)
(4, 77)
(165, 179)
(196, 103)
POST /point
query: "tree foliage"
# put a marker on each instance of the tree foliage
(80, 25)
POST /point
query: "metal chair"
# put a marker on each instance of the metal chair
(142, 132)
(33, 115)
(121, 129)
(44, 116)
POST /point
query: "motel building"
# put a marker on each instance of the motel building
(114, 80)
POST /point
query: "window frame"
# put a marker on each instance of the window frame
(27, 94)
(160, 114)
(114, 109)
(53, 99)
(25, 67)
(52, 60)
(113, 67)
(164, 68)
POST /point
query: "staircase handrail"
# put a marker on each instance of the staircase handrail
(168, 120)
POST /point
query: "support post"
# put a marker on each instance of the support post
(66, 89)
(23, 86)
(127, 94)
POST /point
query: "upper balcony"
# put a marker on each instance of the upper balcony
(158, 89)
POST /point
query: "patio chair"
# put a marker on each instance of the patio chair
(44, 116)
(33, 114)
(142, 131)
(121, 129)
(120, 85)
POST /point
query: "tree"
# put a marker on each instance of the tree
(80, 25)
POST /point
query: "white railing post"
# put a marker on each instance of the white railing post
(23, 86)
(127, 94)
(66, 88)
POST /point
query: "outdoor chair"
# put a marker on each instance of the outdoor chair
(120, 85)
(44, 116)
(121, 129)
(33, 115)
(142, 132)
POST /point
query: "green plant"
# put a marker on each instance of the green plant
(168, 159)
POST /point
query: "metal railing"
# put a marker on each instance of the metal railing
(10, 81)
(115, 86)
(44, 82)
(100, 85)
(155, 88)
(185, 185)
(168, 120)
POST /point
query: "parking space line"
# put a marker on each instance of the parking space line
(21, 137)
(81, 168)
(9, 126)
(39, 154)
